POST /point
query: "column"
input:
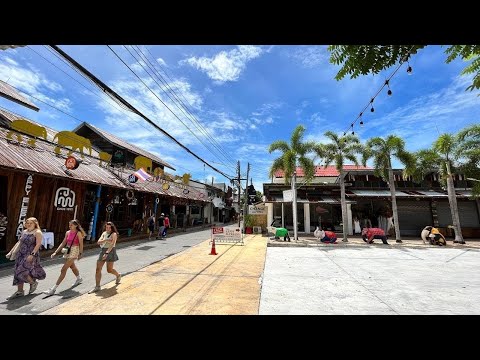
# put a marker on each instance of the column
(306, 217)
(349, 219)
(269, 213)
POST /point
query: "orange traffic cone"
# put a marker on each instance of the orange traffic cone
(213, 251)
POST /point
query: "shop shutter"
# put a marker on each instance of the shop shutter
(467, 211)
(413, 216)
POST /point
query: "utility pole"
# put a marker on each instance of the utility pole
(245, 198)
(239, 188)
(294, 207)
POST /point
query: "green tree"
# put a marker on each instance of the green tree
(293, 155)
(469, 151)
(382, 151)
(445, 146)
(358, 60)
(258, 196)
(337, 151)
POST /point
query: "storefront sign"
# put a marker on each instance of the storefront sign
(118, 157)
(64, 199)
(71, 163)
(257, 210)
(287, 195)
(132, 178)
(229, 235)
(24, 207)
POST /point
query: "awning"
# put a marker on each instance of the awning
(320, 200)
(408, 193)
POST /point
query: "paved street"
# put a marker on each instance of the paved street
(371, 280)
(133, 256)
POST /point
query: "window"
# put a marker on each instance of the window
(194, 210)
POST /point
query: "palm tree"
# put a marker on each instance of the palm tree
(382, 151)
(339, 150)
(293, 155)
(468, 149)
(446, 146)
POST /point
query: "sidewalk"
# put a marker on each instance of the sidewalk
(411, 242)
(191, 282)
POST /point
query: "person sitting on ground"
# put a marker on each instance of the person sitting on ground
(433, 235)
(328, 236)
(368, 234)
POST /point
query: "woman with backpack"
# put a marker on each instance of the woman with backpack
(151, 225)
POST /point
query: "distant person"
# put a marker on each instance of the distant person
(161, 225)
(166, 223)
(369, 233)
(27, 263)
(72, 249)
(108, 254)
(151, 225)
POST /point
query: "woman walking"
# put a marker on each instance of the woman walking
(108, 254)
(72, 249)
(27, 264)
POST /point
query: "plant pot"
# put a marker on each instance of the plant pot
(248, 230)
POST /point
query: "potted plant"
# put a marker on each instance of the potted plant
(249, 221)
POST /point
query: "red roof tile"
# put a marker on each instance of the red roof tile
(321, 171)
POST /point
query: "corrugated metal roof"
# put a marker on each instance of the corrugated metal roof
(122, 143)
(9, 117)
(175, 190)
(10, 93)
(43, 160)
(321, 171)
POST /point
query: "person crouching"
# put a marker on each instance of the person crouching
(328, 236)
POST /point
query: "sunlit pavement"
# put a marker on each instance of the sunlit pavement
(190, 282)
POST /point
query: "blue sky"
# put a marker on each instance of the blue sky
(244, 97)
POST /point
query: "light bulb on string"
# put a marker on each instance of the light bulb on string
(361, 124)
(371, 104)
(389, 92)
(409, 69)
(361, 121)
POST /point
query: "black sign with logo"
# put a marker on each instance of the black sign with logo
(118, 157)
(132, 178)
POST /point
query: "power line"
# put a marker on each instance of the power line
(195, 119)
(174, 102)
(112, 93)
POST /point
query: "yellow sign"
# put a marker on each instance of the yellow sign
(28, 128)
(69, 138)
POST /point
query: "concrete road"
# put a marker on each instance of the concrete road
(133, 256)
(371, 280)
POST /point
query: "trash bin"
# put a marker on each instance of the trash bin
(129, 232)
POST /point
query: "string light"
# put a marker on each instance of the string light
(389, 92)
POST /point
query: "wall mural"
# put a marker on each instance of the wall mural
(28, 128)
(76, 142)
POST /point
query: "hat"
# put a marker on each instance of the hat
(162, 214)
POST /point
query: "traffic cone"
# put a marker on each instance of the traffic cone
(213, 251)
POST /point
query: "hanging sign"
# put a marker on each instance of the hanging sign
(132, 178)
(24, 207)
(109, 208)
(129, 194)
(71, 163)
(165, 186)
(157, 200)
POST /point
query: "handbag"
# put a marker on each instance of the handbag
(12, 254)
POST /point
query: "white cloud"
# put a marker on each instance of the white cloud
(161, 61)
(11, 61)
(28, 79)
(253, 126)
(310, 56)
(226, 65)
